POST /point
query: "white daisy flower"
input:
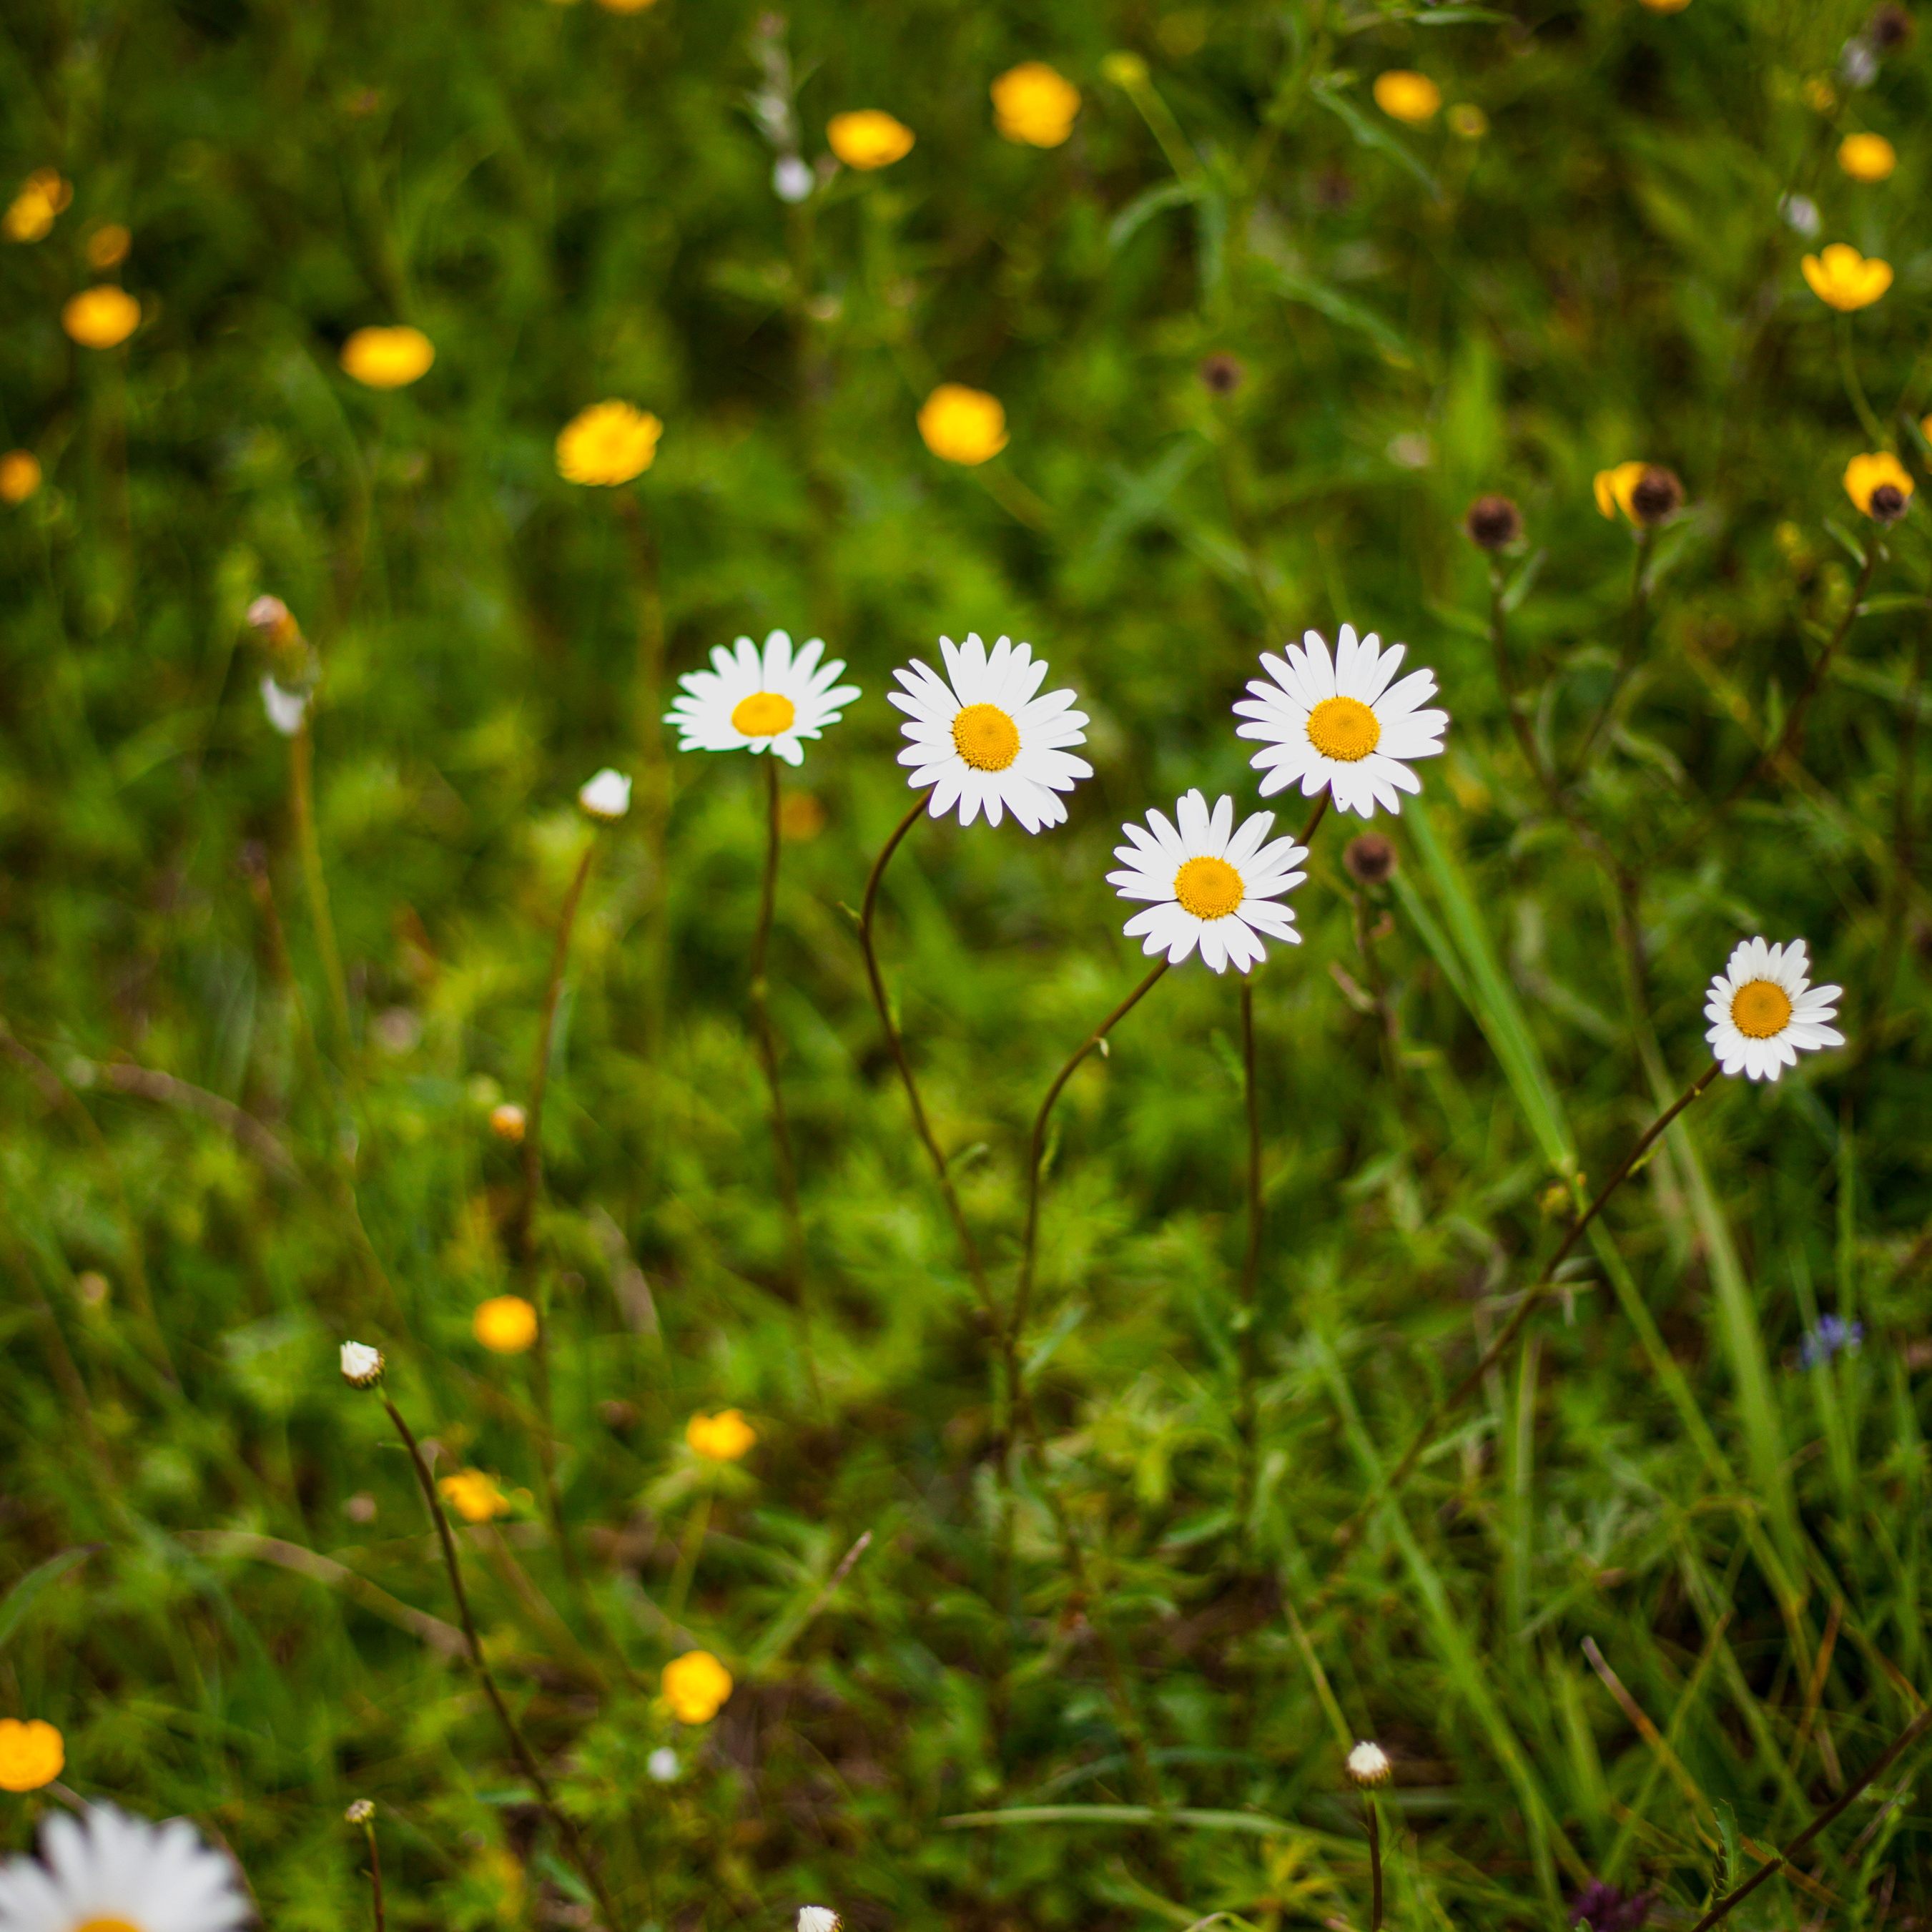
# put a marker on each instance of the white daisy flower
(606, 795)
(1762, 1014)
(107, 1872)
(760, 701)
(981, 739)
(1210, 889)
(1342, 724)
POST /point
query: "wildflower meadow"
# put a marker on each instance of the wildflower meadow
(965, 966)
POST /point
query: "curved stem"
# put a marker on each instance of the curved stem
(767, 1039)
(974, 1267)
(520, 1751)
(375, 1873)
(1314, 818)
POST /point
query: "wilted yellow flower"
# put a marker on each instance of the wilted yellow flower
(962, 425)
(1404, 96)
(473, 1496)
(1879, 484)
(31, 1754)
(20, 476)
(868, 137)
(1866, 158)
(1840, 275)
(695, 1685)
(99, 318)
(107, 247)
(1613, 487)
(1468, 120)
(722, 1438)
(387, 359)
(608, 442)
(1033, 104)
(505, 1323)
(31, 212)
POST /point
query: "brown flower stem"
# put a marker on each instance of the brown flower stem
(375, 1873)
(1531, 1301)
(301, 798)
(767, 1039)
(520, 1751)
(974, 1266)
(520, 1242)
(1634, 633)
(1314, 818)
(1373, 1821)
(1906, 1739)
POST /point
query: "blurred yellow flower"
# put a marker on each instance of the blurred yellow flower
(608, 443)
(1033, 104)
(387, 359)
(1866, 158)
(1125, 69)
(31, 212)
(99, 318)
(31, 1754)
(722, 1438)
(107, 247)
(868, 137)
(1468, 120)
(508, 1121)
(1879, 484)
(1846, 279)
(1613, 487)
(695, 1686)
(1404, 96)
(962, 425)
(474, 1496)
(20, 476)
(506, 1325)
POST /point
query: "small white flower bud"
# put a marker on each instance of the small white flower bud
(360, 1813)
(362, 1365)
(817, 1918)
(268, 614)
(662, 1764)
(607, 795)
(285, 708)
(1369, 1765)
(792, 179)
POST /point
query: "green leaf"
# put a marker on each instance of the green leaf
(1344, 309)
(20, 1600)
(1143, 207)
(1371, 134)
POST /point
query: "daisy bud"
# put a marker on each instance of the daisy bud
(508, 1122)
(1657, 495)
(1493, 523)
(792, 178)
(1369, 1765)
(1222, 374)
(360, 1813)
(661, 1766)
(1369, 858)
(607, 795)
(817, 1918)
(362, 1365)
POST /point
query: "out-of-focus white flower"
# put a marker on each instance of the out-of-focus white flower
(362, 1365)
(106, 1869)
(1801, 215)
(792, 178)
(662, 1764)
(817, 1919)
(1369, 1765)
(285, 709)
(606, 796)
(1858, 65)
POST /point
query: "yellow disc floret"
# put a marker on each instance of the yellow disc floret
(1761, 1010)
(1208, 888)
(763, 715)
(108, 1925)
(985, 737)
(1344, 728)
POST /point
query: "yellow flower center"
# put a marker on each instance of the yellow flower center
(1344, 728)
(763, 715)
(1209, 888)
(1761, 1009)
(108, 1925)
(985, 737)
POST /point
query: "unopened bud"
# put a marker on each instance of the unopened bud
(361, 1812)
(1369, 858)
(1222, 374)
(362, 1365)
(1493, 523)
(1369, 1765)
(1657, 495)
(508, 1121)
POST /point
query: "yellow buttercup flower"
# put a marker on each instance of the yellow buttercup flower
(100, 318)
(1405, 96)
(506, 1325)
(31, 1754)
(722, 1438)
(1613, 487)
(962, 425)
(608, 443)
(1033, 104)
(695, 1686)
(387, 359)
(1840, 275)
(20, 476)
(30, 213)
(1866, 158)
(1879, 484)
(868, 137)
(473, 1496)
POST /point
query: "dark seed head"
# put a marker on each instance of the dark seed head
(1888, 503)
(1658, 494)
(1493, 523)
(1223, 374)
(1889, 29)
(1370, 859)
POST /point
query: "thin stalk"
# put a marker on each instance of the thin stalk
(1374, 1822)
(1533, 1299)
(1633, 636)
(301, 797)
(521, 1751)
(974, 1266)
(1910, 1735)
(767, 1039)
(1251, 1260)
(375, 1873)
(688, 1552)
(1314, 818)
(519, 1225)
(1848, 367)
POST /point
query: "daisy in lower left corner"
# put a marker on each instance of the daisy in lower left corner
(1212, 886)
(1764, 1010)
(754, 700)
(106, 1872)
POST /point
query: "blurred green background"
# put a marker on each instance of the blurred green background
(576, 204)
